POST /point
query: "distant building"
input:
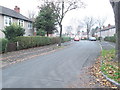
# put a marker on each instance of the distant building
(8, 16)
(106, 31)
(83, 35)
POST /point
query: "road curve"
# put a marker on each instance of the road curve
(54, 70)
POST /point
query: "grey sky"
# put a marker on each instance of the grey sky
(95, 8)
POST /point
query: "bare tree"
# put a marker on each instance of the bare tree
(78, 29)
(116, 8)
(31, 14)
(68, 30)
(61, 7)
(101, 22)
(89, 22)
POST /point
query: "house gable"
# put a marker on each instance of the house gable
(8, 12)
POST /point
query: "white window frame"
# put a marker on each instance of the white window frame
(7, 20)
(21, 22)
(29, 25)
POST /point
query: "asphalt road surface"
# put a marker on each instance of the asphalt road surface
(54, 70)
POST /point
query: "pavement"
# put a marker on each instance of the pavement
(107, 45)
(66, 67)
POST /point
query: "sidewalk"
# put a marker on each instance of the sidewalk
(107, 45)
(26, 54)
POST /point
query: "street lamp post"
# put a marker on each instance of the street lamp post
(100, 34)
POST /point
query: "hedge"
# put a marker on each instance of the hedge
(36, 41)
(3, 44)
(111, 38)
(65, 39)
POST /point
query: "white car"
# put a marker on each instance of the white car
(92, 39)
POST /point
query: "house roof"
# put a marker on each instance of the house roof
(12, 13)
(106, 28)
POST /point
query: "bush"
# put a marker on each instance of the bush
(54, 40)
(65, 39)
(98, 38)
(29, 42)
(13, 31)
(36, 41)
(3, 45)
(41, 32)
(110, 39)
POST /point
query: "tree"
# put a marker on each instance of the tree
(89, 22)
(41, 32)
(101, 22)
(46, 20)
(31, 14)
(93, 32)
(61, 7)
(12, 31)
(116, 8)
(68, 30)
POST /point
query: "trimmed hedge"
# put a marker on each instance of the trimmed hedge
(110, 39)
(3, 44)
(65, 39)
(36, 41)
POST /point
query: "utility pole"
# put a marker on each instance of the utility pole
(100, 35)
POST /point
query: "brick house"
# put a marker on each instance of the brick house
(8, 16)
(106, 31)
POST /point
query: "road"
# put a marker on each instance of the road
(54, 70)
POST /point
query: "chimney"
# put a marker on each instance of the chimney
(17, 9)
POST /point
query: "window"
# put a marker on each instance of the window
(29, 25)
(21, 23)
(7, 21)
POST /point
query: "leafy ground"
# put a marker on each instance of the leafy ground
(109, 67)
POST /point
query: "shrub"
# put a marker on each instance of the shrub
(36, 41)
(98, 38)
(111, 38)
(65, 39)
(13, 31)
(3, 45)
(41, 32)
(54, 40)
(29, 42)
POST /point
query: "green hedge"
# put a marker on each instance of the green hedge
(36, 41)
(65, 39)
(110, 39)
(3, 44)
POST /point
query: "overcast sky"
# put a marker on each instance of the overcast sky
(95, 8)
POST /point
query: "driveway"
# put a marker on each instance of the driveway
(54, 70)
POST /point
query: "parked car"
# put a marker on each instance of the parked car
(92, 39)
(76, 38)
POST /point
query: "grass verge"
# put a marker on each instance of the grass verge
(109, 67)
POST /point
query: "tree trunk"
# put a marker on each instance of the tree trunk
(116, 9)
(60, 24)
(60, 36)
(87, 34)
(47, 34)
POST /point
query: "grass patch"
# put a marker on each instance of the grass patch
(110, 67)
